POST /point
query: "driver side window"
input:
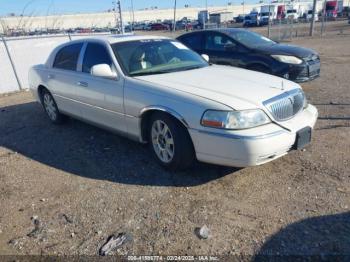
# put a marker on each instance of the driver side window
(95, 54)
(217, 42)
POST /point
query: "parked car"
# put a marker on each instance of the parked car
(239, 19)
(246, 49)
(147, 27)
(252, 19)
(128, 28)
(183, 25)
(159, 26)
(157, 91)
(139, 26)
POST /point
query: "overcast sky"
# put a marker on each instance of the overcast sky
(43, 7)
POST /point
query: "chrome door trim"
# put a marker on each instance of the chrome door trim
(97, 107)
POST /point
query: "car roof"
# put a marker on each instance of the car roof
(228, 30)
(220, 30)
(128, 37)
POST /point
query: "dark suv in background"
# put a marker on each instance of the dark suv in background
(246, 49)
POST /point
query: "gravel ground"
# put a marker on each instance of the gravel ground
(66, 189)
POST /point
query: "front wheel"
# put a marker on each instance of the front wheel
(170, 142)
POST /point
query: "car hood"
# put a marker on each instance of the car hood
(283, 49)
(237, 88)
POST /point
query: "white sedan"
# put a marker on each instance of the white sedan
(157, 91)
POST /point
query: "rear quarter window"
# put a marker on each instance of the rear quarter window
(67, 57)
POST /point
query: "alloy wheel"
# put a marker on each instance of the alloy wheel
(162, 141)
(50, 107)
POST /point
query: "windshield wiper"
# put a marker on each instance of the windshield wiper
(165, 71)
(149, 73)
(191, 68)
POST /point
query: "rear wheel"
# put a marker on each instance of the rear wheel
(51, 109)
(170, 142)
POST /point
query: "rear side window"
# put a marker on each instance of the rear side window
(193, 41)
(95, 54)
(67, 57)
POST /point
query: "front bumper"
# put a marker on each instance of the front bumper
(304, 72)
(250, 147)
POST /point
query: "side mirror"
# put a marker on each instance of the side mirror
(205, 57)
(104, 71)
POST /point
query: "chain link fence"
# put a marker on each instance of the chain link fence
(288, 29)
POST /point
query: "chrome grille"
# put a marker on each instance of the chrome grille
(286, 105)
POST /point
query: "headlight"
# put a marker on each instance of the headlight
(288, 59)
(234, 119)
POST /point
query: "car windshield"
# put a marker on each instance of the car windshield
(250, 39)
(156, 56)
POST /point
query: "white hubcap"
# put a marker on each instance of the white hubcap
(50, 108)
(162, 140)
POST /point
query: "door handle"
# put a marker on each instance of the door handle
(50, 76)
(81, 83)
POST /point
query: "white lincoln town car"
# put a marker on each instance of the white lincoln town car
(157, 91)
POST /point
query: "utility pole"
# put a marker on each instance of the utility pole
(115, 14)
(133, 14)
(174, 22)
(313, 18)
(323, 17)
(120, 17)
(206, 14)
(269, 22)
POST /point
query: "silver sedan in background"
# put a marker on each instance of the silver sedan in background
(157, 91)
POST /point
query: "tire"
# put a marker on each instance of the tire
(51, 108)
(260, 68)
(170, 142)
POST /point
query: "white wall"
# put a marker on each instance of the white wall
(7, 78)
(25, 53)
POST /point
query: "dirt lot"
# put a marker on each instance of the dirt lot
(83, 184)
